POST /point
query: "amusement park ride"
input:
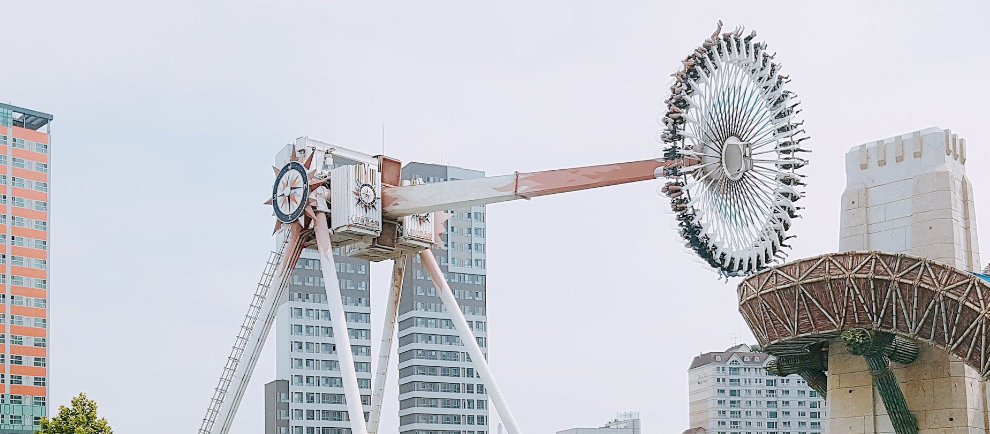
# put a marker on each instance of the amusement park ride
(730, 164)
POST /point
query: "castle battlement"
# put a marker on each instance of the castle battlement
(894, 157)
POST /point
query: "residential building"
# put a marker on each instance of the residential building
(439, 390)
(24, 217)
(624, 423)
(732, 393)
(307, 396)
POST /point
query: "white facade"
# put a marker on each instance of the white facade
(308, 394)
(625, 423)
(732, 393)
(306, 350)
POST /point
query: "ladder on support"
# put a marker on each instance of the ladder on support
(241, 343)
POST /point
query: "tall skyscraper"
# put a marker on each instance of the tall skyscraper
(24, 138)
(439, 391)
(731, 392)
(307, 396)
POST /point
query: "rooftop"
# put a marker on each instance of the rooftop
(743, 350)
(26, 118)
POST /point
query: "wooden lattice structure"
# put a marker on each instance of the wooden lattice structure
(793, 307)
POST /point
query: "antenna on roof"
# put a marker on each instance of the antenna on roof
(734, 337)
(383, 138)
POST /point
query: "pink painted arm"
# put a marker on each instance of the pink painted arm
(418, 199)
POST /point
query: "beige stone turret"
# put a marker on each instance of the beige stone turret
(909, 194)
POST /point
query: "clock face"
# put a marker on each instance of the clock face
(290, 192)
(366, 196)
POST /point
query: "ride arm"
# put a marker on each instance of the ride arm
(424, 198)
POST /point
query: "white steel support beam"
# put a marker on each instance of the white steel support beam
(467, 338)
(385, 348)
(342, 338)
(251, 335)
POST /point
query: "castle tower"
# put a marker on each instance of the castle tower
(909, 194)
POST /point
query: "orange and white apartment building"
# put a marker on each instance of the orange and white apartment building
(24, 229)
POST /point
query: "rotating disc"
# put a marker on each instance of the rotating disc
(733, 143)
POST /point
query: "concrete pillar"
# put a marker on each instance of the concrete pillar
(909, 194)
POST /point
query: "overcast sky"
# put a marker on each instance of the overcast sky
(167, 115)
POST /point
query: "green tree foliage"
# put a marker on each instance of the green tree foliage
(79, 418)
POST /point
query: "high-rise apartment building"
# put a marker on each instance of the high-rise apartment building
(732, 393)
(308, 395)
(439, 391)
(24, 140)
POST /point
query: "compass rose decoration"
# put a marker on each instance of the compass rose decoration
(292, 198)
(290, 192)
(366, 196)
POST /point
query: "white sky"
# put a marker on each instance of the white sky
(168, 114)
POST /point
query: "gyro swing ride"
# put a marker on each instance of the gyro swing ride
(731, 161)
